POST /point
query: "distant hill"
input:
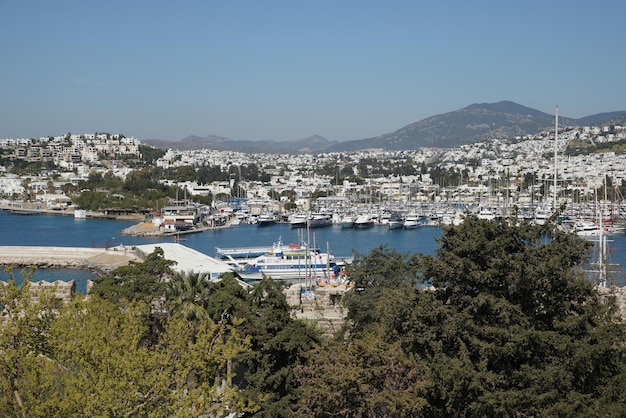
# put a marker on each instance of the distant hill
(609, 118)
(474, 123)
(311, 144)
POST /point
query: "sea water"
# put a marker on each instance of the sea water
(66, 231)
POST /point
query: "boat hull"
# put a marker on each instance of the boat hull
(395, 225)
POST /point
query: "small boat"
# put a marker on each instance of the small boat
(395, 221)
(347, 221)
(266, 219)
(585, 228)
(320, 219)
(412, 222)
(485, 214)
(363, 221)
(432, 220)
(299, 220)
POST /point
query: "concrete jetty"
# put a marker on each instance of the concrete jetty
(103, 259)
(148, 229)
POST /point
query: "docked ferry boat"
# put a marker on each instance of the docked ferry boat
(292, 263)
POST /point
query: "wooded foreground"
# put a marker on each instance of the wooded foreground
(500, 322)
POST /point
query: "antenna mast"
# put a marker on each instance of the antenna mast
(556, 140)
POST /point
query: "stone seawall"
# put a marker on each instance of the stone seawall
(67, 257)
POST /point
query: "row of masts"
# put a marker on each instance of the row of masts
(602, 261)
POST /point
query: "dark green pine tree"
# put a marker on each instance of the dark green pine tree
(505, 325)
(513, 329)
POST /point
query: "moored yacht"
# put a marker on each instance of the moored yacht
(395, 221)
(299, 220)
(347, 221)
(320, 219)
(266, 219)
(412, 222)
(364, 221)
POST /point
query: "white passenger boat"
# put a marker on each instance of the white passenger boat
(299, 220)
(364, 221)
(395, 221)
(291, 263)
(412, 222)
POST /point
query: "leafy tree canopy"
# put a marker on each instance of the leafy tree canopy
(509, 328)
(136, 282)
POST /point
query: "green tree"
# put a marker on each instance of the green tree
(25, 322)
(382, 281)
(367, 378)
(143, 281)
(512, 328)
(278, 344)
(188, 294)
(103, 366)
(150, 154)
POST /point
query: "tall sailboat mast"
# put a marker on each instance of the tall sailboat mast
(556, 141)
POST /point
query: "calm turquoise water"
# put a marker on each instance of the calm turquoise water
(45, 230)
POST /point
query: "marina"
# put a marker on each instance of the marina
(250, 240)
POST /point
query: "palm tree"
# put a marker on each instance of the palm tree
(187, 298)
(188, 295)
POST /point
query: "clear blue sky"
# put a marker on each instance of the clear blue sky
(290, 69)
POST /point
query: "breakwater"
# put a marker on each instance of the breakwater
(101, 259)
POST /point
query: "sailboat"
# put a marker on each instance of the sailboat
(602, 265)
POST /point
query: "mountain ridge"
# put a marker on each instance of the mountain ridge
(474, 123)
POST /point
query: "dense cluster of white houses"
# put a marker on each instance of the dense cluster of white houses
(70, 151)
(502, 162)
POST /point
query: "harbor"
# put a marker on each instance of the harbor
(54, 231)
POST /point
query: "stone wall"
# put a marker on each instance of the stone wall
(321, 305)
(60, 289)
(619, 293)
